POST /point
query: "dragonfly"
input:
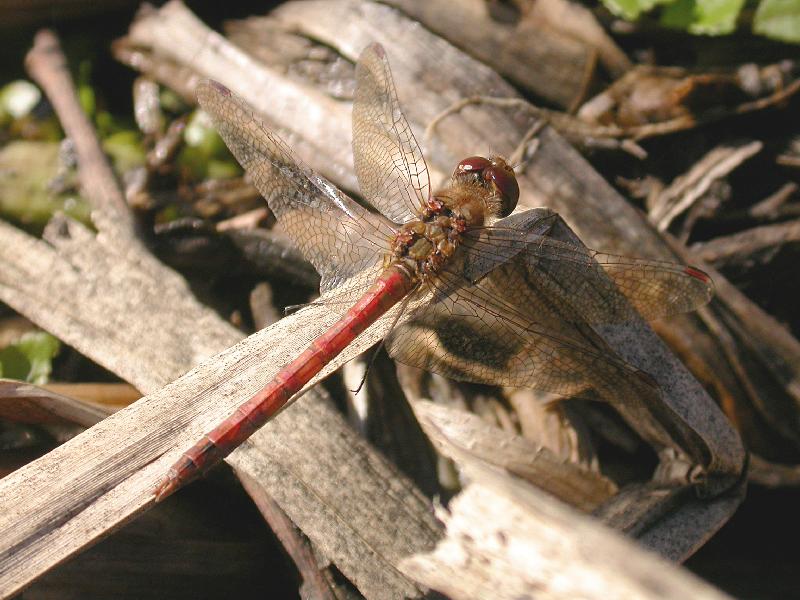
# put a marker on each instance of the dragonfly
(462, 284)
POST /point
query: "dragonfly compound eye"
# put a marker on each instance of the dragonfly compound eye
(502, 177)
(473, 164)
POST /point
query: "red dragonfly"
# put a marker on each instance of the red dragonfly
(461, 286)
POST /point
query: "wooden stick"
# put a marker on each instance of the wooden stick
(48, 67)
(508, 541)
(108, 298)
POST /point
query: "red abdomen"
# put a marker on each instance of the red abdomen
(394, 284)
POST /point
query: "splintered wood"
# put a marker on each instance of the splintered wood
(509, 541)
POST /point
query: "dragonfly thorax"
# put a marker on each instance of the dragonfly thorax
(426, 243)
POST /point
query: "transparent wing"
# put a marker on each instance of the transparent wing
(339, 237)
(389, 165)
(482, 333)
(599, 287)
(656, 289)
(516, 309)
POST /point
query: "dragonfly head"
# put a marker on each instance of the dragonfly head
(497, 176)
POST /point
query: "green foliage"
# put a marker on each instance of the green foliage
(29, 174)
(777, 19)
(679, 14)
(172, 102)
(87, 99)
(205, 154)
(703, 17)
(631, 9)
(125, 149)
(31, 358)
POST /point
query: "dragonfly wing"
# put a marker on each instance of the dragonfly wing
(389, 164)
(600, 288)
(658, 289)
(482, 333)
(487, 248)
(338, 236)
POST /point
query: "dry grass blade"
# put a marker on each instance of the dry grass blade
(108, 298)
(28, 403)
(111, 396)
(100, 479)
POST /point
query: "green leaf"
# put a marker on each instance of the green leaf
(86, 95)
(172, 102)
(27, 170)
(678, 15)
(31, 358)
(104, 122)
(703, 17)
(14, 364)
(125, 149)
(205, 151)
(628, 9)
(778, 19)
(40, 348)
(223, 169)
(716, 17)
